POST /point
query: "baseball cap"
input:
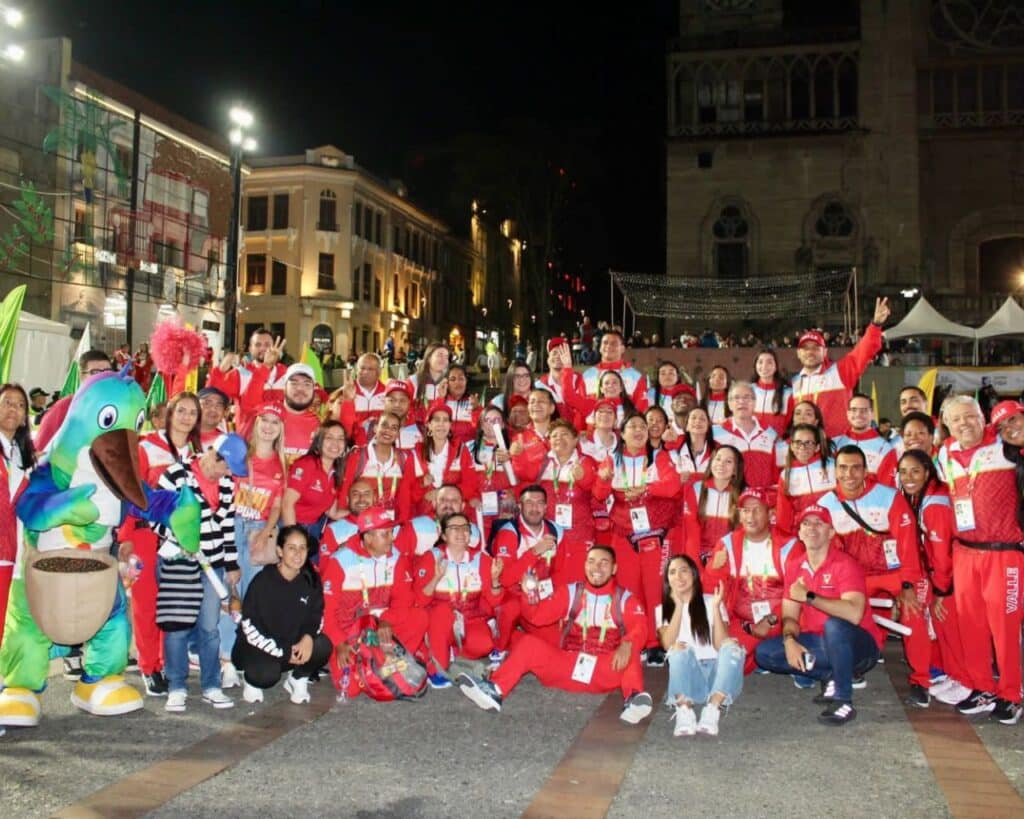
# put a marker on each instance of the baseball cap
(606, 403)
(557, 341)
(816, 511)
(232, 449)
(517, 400)
(1004, 410)
(214, 392)
(688, 389)
(271, 408)
(439, 407)
(298, 368)
(37, 391)
(812, 337)
(398, 386)
(375, 518)
(753, 493)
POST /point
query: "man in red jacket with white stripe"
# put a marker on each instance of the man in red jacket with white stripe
(612, 349)
(830, 385)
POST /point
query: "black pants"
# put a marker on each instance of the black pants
(263, 671)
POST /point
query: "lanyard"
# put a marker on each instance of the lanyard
(972, 471)
(607, 616)
(764, 568)
(626, 482)
(556, 471)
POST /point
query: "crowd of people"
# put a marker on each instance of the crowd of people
(577, 527)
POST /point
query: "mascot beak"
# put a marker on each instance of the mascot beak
(115, 457)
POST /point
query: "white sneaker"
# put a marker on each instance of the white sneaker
(685, 721)
(229, 676)
(250, 693)
(176, 701)
(952, 693)
(709, 720)
(217, 698)
(298, 687)
(936, 688)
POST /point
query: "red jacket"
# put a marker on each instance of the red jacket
(595, 629)
(660, 480)
(458, 470)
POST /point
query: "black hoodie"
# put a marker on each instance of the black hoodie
(277, 613)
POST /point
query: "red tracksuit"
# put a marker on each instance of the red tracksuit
(363, 410)
(497, 495)
(758, 450)
(593, 632)
(988, 563)
(708, 525)
(387, 477)
(570, 504)
(463, 594)
(356, 584)
(800, 486)
(458, 470)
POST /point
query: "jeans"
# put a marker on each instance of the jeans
(207, 640)
(243, 530)
(696, 680)
(842, 652)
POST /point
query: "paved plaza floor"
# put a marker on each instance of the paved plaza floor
(548, 754)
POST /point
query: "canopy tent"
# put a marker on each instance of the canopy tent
(925, 320)
(1008, 320)
(42, 349)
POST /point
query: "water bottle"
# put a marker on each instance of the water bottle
(343, 694)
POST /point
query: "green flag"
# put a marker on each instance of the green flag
(74, 377)
(309, 357)
(10, 309)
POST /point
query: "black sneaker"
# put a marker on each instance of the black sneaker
(636, 708)
(978, 702)
(918, 697)
(482, 692)
(838, 713)
(1006, 712)
(655, 658)
(73, 667)
(132, 665)
(156, 684)
(827, 695)
(859, 682)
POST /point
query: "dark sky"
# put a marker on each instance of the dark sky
(388, 80)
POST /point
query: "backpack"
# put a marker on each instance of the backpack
(619, 597)
(389, 672)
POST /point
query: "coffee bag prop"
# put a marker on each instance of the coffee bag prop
(70, 592)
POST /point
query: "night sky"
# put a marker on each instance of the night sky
(390, 82)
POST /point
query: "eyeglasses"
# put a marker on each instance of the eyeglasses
(802, 444)
(99, 370)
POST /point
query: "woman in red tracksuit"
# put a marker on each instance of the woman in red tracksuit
(773, 397)
(668, 385)
(382, 463)
(460, 590)
(710, 505)
(438, 461)
(465, 406)
(497, 500)
(929, 499)
(610, 387)
(529, 447)
(645, 487)
(807, 474)
(19, 458)
(716, 390)
(694, 450)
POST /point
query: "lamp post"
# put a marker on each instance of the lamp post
(241, 119)
(11, 18)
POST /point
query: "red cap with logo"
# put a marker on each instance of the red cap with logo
(815, 511)
(755, 494)
(517, 401)
(271, 408)
(375, 518)
(1004, 410)
(606, 403)
(812, 337)
(398, 386)
(439, 407)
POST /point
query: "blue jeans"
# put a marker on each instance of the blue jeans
(696, 680)
(842, 652)
(207, 640)
(243, 530)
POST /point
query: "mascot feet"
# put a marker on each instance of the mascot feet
(106, 697)
(19, 707)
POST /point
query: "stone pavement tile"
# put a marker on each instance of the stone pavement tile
(772, 758)
(1006, 745)
(438, 757)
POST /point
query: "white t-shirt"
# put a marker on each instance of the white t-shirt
(704, 651)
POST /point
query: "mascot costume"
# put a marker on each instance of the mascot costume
(66, 587)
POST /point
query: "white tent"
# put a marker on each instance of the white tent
(1008, 320)
(42, 350)
(925, 320)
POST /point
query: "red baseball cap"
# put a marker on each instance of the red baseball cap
(815, 511)
(608, 404)
(558, 341)
(517, 400)
(436, 408)
(812, 337)
(1004, 410)
(688, 389)
(753, 493)
(375, 518)
(271, 408)
(398, 386)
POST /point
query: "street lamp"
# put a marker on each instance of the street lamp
(12, 18)
(241, 119)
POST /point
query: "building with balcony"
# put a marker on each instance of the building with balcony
(880, 136)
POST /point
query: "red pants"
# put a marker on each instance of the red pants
(640, 572)
(149, 640)
(6, 573)
(917, 647)
(409, 625)
(950, 642)
(509, 617)
(477, 642)
(553, 667)
(988, 588)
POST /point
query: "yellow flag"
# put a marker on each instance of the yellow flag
(927, 385)
(874, 400)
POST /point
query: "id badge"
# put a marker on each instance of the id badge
(563, 515)
(638, 517)
(489, 503)
(964, 511)
(759, 609)
(545, 588)
(892, 556)
(583, 671)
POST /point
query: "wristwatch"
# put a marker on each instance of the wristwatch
(811, 597)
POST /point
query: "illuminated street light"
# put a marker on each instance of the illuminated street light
(14, 53)
(241, 118)
(12, 16)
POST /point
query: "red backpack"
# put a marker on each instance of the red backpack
(386, 672)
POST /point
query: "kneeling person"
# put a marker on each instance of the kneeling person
(604, 628)
(280, 626)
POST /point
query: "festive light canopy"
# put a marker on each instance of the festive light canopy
(775, 296)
